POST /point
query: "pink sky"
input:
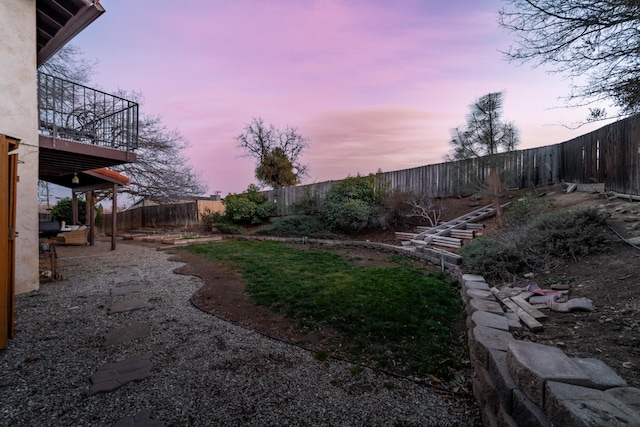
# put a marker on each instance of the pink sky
(374, 84)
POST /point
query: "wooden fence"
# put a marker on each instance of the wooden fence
(608, 155)
(175, 216)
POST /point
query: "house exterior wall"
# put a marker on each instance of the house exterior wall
(19, 118)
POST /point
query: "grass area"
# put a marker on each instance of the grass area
(399, 318)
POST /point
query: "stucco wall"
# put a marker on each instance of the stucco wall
(19, 118)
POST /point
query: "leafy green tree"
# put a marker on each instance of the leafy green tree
(250, 207)
(277, 153)
(595, 43)
(63, 210)
(277, 170)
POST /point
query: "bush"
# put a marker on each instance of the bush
(351, 204)
(395, 209)
(569, 234)
(309, 204)
(537, 244)
(521, 211)
(297, 226)
(211, 219)
(248, 208)
(228, 228)
(63, 210)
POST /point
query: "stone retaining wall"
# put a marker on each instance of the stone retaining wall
(521, 383)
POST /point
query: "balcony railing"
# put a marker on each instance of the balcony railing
(71, 111)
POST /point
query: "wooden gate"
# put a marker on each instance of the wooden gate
(8, 172)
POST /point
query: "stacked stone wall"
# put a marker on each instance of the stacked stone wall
(521, 383)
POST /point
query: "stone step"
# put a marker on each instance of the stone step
(127, 333)
(112, 376)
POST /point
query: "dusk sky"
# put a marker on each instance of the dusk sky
(373, 84)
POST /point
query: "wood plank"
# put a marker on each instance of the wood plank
(526, 318)
(534, 312)
(474, 226)
(463, 234)
(404, 236)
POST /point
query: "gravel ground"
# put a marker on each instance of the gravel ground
(206, 371)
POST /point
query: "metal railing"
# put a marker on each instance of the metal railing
(71, 111)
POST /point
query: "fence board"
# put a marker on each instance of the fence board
(609, 155)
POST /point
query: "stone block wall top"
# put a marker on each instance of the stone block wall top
(490, 320)
(532, 365)
(601, 375)
(580, 406)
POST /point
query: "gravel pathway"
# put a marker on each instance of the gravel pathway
(205, 371)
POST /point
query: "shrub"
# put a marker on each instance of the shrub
(395, 209)
(351, 204)
(521, 211)
(568, 234)
(248, 208)
(228, 228)
(309, 204)
(297, 226)
(537, 243)
(210, 219)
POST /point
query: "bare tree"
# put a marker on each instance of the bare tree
(425, 207)
(162, 171)
(69, 63)
(277, 153)
(598, 40)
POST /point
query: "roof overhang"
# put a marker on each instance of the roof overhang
(90, 180)
(58, 21)
(59, 159)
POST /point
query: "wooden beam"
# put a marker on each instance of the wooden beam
(526, 318)
(533, 312)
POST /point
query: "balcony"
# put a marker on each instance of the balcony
(82, 129)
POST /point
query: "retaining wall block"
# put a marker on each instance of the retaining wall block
(476, 293)
(490, 320)
(526, 413)
(485, 391)
(630, 396)
(531, 365)
(502, 379)
(471, 284)
(505, 419)
(601, 375)
(476, 304)
(472, 278)
(514, 321)
(576, 406)
(488, 418)
(483, 339)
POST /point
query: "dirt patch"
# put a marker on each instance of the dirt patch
(609, 279)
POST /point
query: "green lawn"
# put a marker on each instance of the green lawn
(399, 318)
